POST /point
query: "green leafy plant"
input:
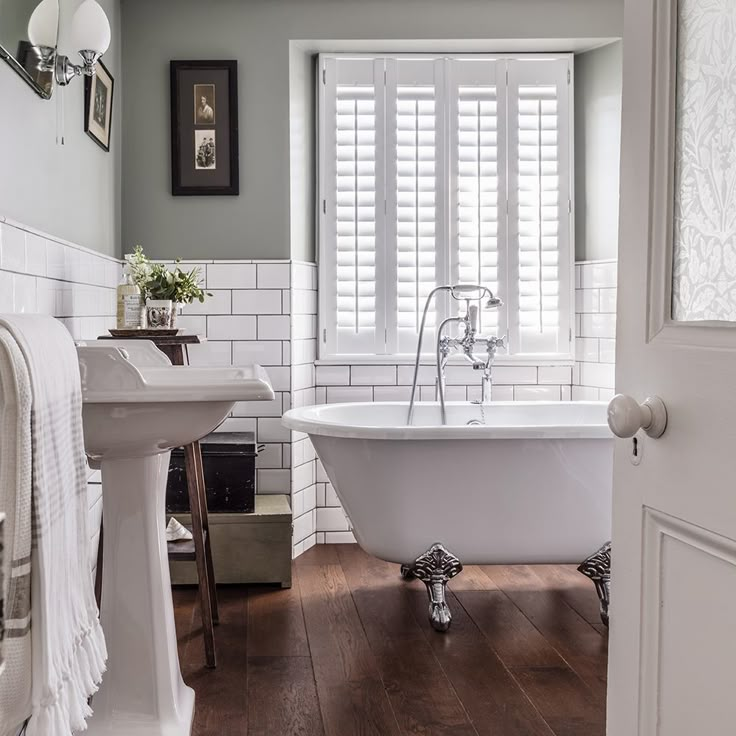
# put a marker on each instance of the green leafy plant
(139, 267)
(187, 286)
(182, 287)
(160, 283)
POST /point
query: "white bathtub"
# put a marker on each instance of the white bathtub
(532, 485)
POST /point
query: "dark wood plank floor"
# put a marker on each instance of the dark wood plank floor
(348, 651)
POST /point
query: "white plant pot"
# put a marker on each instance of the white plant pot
(159, 313)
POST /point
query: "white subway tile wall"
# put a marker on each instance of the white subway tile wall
(593, 376)
(41, 274)
(303, 350)
(266, 312)
(232, 320)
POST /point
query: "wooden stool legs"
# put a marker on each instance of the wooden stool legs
(202, 548)
(206, 532)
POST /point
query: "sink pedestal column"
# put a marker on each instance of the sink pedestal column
(142, 692)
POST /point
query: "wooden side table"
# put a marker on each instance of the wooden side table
(199, 549)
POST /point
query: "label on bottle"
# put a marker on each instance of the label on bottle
(132, 311)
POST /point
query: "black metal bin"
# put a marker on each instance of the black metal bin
(229, 462)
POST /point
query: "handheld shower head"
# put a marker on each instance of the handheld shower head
(467, 291)
(475, 291)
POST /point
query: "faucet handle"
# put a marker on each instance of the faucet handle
(494, 343)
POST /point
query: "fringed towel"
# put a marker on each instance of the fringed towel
(68, 647)
(15, 502)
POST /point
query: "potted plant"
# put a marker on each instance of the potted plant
(166, 290)
(159, 290)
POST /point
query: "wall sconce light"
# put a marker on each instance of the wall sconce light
(90, 34)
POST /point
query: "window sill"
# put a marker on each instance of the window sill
(501, 360)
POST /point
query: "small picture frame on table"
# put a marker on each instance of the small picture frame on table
(204, 128)
(98, 92)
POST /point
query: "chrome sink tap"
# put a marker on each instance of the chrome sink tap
(465, 343)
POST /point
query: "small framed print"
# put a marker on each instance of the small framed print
(204, 128)
(98, 92)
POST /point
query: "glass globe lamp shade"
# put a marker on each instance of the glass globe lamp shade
(43, 27)
(90, 28)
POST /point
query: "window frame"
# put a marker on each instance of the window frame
(325, 350)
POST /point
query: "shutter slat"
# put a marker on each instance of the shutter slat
(355, 185)
(476, 163)
(537, 213)
(415, 202)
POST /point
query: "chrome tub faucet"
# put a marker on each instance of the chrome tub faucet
(492, 345)
(466, 342)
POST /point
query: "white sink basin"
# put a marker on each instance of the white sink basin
(114, 372)
(137, 406)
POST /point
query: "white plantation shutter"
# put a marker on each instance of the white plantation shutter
(415, 207)
(353, 166)
(478, 194)
(435, 171)
(540, 258)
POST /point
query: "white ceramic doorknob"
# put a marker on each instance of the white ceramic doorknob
(626, 416)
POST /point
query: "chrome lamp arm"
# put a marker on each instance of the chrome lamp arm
(65, 70)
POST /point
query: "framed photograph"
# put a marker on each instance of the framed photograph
(204, 128)
(98, 91)
(204, 104)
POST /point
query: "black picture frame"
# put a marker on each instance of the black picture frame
(100, 131)
(204, 131)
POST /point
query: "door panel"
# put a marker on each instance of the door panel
(689, 601)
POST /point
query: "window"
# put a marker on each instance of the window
(437, 171)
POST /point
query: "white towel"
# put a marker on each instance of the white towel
(15, 502)
(69, 652)
(177, 532)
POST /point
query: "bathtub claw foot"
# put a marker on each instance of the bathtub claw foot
(407, 572)
(439, 615)
(435, 568)
(598, 568)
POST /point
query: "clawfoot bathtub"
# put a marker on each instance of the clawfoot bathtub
(503, 483)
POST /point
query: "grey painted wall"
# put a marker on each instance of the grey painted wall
(70, 191)
(597, 151)
(14, 17)
(262, 221)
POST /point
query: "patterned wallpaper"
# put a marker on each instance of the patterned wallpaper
(704, 274)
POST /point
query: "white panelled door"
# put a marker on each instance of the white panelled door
(673, 644)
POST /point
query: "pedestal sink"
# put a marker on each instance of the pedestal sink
(137, 407)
